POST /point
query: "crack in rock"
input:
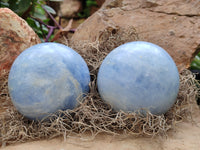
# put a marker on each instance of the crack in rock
(175, 13)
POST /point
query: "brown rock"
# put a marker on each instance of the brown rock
(173, 25)
(69, 8)
(15, 37)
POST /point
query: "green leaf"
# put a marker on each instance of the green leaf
(197, 57)
(39, 13)
(90, 3)
(37, 24)
(4, 1)
(46, 20)
(36, 27)
(49, 9)
(195, 64)
(14, 6)
(41, 2)
(4, 4)
(30, 21)
(45, 29)
(19, 6)
(23, 6)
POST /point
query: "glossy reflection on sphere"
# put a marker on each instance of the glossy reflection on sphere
(47, 77)
(139, 75)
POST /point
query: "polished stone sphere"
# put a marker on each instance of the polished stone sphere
(139, 76)
(47, 77)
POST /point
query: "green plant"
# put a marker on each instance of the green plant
(86, 8)
(195, 65)
(18, 6)
(195, 68)
(34, 12)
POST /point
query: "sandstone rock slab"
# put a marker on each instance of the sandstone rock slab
(173, 25)
(15, 36)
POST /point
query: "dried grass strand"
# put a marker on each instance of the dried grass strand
(93, 116)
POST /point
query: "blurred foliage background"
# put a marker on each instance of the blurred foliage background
(195, 65)
(34, 10)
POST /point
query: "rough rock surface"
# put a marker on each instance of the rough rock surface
(173, 24)
(15, 37)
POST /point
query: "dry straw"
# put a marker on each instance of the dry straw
(93, 116)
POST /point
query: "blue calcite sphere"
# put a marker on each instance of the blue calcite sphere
(47, 77)
(139, 75)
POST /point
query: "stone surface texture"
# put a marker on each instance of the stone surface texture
(15, 37)
(174, 25)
